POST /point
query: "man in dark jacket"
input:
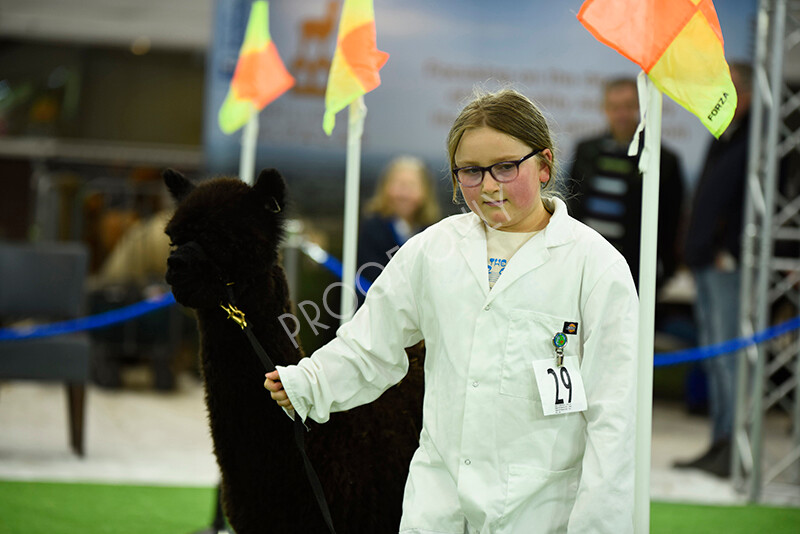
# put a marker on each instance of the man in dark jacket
(713, 245)
(607, 185)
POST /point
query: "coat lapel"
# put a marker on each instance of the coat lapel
(536, 251)
(532, 254)
(472, 247)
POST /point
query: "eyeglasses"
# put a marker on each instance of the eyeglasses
(503, 172)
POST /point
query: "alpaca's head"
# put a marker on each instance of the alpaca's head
(223, 231)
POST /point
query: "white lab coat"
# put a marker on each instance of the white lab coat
(489, 461)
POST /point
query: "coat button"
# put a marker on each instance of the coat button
(487, 308)
(475, 384)
(467, 461)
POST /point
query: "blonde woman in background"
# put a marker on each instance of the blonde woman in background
(404, 203)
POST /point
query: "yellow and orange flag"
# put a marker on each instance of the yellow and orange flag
(678, 43)
(260, 76)
(356, 61)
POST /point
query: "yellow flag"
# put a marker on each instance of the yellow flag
(356, 61)
(260, 76)
(678, 43)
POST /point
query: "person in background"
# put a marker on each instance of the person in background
(140, 255)
(403, 204)
(607, 184)
(712, 250)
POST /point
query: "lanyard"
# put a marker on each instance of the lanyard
(300, 428)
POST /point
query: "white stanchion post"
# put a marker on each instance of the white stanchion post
(647, 300)
(355, 129)
(291, 256)
(247, 157)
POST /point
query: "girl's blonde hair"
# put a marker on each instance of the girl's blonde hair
(427, 213)
(512, 113)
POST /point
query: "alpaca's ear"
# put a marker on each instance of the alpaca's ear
(271, 190)
(177, 184)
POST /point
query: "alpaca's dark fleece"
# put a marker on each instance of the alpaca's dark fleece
(361, 456)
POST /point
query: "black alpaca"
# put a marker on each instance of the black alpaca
(225, 232)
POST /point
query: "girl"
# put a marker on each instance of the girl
(530, 368)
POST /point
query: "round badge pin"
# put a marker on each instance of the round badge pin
(559, 340)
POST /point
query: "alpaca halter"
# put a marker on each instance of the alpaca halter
(235, 314)
(238, 316)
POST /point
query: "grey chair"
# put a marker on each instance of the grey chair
(46, 282)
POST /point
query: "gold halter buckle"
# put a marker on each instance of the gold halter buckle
(235, 314)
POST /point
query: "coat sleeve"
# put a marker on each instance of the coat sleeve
(367, 355)
(604, 502)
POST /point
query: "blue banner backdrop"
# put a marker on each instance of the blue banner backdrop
(439, 51)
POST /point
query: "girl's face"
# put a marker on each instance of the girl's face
(405, 191)
(514, 206)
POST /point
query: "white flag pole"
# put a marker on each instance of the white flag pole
(649, 164)
(355, 129)
(247, 157)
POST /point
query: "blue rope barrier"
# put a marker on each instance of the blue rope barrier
(332, 264)
(319, 255)
(701, 353)
(91, 322)
(144, 307)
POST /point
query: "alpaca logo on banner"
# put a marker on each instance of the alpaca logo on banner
(312, 60)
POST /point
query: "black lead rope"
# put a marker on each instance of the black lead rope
(299, 427)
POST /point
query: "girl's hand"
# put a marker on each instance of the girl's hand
(278, 394)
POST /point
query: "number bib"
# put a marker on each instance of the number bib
(560, 388)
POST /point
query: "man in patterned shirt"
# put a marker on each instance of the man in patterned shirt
(606, 187)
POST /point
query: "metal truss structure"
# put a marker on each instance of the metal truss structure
(769, 372)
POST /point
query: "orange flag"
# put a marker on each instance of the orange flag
(356, 61)
(260, 76)
(678, 43)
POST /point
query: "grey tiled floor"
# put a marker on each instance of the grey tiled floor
(131, 436)
(140, 436)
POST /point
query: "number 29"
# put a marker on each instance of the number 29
(565, 380)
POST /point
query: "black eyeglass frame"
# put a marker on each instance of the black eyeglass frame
(483, 170)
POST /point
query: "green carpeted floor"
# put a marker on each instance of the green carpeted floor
(669, 518)
(55, 508)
